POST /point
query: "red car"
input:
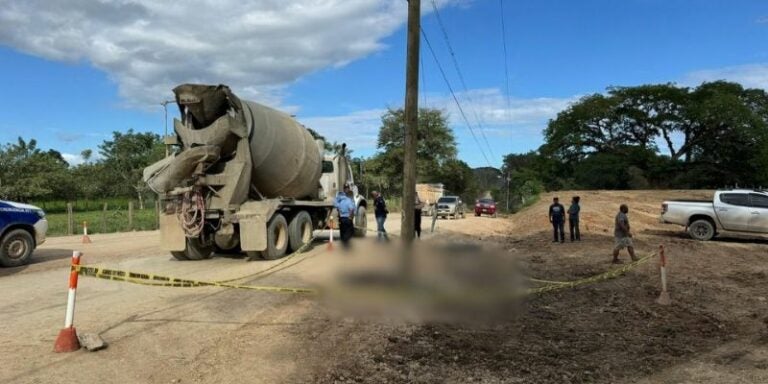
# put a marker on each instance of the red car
(485, 206)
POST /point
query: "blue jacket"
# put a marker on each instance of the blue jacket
(345, 205)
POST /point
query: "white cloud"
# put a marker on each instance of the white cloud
(359, 129)
(524, 118)
(149, 46)
(750, 75)
(73, 160)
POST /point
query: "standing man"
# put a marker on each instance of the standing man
(573, 219)
(419, 205)
(557, 218)
(346, 208)
(380, 211)
(622, 235)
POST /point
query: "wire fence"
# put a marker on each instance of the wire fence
(102, 217)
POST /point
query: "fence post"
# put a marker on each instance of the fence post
(70, 220)
(130, 215)
(157, 214)
(104, 219)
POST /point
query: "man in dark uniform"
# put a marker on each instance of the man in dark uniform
(557, 218)
(380, 211)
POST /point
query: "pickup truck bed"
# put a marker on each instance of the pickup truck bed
(733, 210)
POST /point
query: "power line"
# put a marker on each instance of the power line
(461, 77)
(455, 99)
(506, 65)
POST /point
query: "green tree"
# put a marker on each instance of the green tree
(27, 172)
(436, 144)
(126, 156)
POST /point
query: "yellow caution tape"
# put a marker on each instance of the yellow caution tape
(166, 281)
(557, 285)
(272, 269)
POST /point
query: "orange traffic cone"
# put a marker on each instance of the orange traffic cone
(330, 242)
(86, 239)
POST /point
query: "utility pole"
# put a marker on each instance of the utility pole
(507, 192)
(165, 135)
(411, 128)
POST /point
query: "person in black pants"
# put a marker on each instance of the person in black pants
(419, 205)
(557, 218)
(573, 219)
(346, 208)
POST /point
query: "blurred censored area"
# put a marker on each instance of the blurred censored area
(448, 281)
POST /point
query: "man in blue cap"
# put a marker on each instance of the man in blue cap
(346, 208)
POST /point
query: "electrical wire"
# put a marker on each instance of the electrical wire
(455, 99)
(506, 65)
(461, 77)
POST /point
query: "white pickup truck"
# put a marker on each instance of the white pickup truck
(739, 210)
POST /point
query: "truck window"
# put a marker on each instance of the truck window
(327, 166)
(740, 199)
(759, 201)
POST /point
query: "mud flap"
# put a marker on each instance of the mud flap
(253, 233)
(172, 236)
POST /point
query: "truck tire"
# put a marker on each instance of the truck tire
(195, 250)
(277, 238)
(300, 230)
(701, 229)
(361, 222)
(16, 248)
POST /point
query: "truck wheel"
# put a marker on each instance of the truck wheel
(701, 230)
(197, 250)
(361, 222)
(277, 238)
(300, 230)
(16, 248)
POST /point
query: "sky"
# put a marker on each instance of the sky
(74, 71)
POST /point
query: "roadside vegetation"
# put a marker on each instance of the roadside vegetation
(644, 137)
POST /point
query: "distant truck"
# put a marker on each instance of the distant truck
(22, 228)
(429, 194)
(739, 210)
(247, 178)
(450, 206)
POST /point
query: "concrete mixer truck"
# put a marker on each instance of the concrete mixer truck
(245, 177)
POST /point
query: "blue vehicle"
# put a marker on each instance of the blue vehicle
(22, 229)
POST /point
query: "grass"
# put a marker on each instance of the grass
(103, 222)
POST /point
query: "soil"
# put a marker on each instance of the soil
(715, 330)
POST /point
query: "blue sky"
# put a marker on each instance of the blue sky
(74, 71)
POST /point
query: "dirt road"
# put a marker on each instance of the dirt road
(611, 332)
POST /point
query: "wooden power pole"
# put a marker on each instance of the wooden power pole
(411, 126)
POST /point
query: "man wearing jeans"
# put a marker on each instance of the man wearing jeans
(380, 211)
(557, 218)
(346, 208)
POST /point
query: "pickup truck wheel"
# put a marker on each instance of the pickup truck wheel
(16, 248)
(361, 222)
(277, 238)
(197, 250)
(300, 230)
(701, 230)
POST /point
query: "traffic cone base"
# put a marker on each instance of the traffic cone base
(86, 239)
(67, 341)
(664, 298)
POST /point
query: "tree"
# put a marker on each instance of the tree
(436, 144)
(126, 155)
(27, 172)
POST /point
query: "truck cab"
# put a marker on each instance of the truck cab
(337, 172)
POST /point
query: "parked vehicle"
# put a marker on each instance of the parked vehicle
(247, 177)
(450, 206)
(485, 206)
(739, 210)
(429, 194)
(22, 229)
